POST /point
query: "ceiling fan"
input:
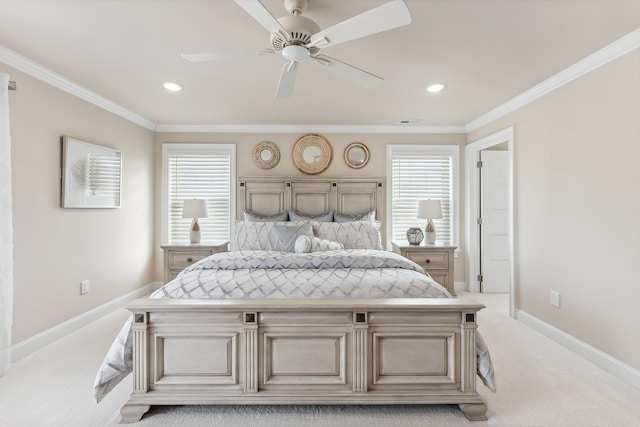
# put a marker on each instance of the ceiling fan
(298, 38)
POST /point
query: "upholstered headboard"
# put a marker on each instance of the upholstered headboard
(311, 195)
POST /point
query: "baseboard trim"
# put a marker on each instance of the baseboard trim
(36, 342)
(604, 361)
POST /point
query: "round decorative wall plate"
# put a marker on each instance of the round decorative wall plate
(266, 154)
(312, 154)
(356, 155)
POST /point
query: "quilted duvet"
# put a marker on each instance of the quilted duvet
(354, 273)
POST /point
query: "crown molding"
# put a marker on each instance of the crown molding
(54, 79)
(601, 57)
(266, 128)
(610, 52)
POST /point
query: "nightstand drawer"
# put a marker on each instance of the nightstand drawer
(430, 260)
(177, 257)
(184, 259)
(440, 277)
(436, 259)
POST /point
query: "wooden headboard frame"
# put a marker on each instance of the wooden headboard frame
(311, 195)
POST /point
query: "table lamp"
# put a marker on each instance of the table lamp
(194, 208)
(429, 210)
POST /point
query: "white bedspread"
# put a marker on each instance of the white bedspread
(354, 273)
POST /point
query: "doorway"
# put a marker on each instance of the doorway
(489, 213)
(493, 221)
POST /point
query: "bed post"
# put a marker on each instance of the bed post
(360, 327)
(132, 413)
(250, 328)
(473, 411)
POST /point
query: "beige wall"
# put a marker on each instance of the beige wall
(338, 168)
(54, 248)
(576, 151)
(577, 204)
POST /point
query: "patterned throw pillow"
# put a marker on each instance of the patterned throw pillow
(365, 216)
(323, 217)
(288, 233)
(353, 235)
(254, 236)
(306, 244)
(254, 217)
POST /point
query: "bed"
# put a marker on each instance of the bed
(305, 308)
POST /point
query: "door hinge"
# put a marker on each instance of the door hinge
(479, 164)
(479, 278)
(479, 221)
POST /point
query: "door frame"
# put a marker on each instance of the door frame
(472, 152)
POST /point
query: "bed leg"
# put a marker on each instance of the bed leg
(133, 413)
(474, 411)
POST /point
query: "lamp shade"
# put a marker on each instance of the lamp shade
(429, 209)
(194, 208)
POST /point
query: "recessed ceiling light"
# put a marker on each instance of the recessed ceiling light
(435, 88)
(173, 87)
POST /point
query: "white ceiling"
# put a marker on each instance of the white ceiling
(486, 51)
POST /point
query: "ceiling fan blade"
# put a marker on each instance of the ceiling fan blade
(231, 54)
(287, 80)
(349, 72)
(382, 18)
(262, 15)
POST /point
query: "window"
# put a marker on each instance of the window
(203, 171)
(416, 172)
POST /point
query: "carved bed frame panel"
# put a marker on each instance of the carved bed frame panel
(305, 351)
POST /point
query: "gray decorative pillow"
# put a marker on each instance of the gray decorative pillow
(288, 233)
(323, 217)
(255, 217)
(306, 244)
(365, 216)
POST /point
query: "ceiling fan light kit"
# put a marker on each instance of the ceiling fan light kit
(296, 52)
(299, 38)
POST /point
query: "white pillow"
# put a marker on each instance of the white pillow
(353, 235)
(253, 236)
(306, 244)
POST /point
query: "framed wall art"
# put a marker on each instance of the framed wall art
(91, 175)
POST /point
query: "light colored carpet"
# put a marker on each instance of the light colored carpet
(539, 384)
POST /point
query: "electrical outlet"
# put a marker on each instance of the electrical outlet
(84, 287)
(555, 299)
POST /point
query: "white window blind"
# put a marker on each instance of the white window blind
(201, 171)
(422, 172)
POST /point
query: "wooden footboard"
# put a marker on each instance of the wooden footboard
(304, 351)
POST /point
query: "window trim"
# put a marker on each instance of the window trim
(169, 148)
(449, 150)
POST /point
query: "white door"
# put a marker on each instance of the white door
(494, 211)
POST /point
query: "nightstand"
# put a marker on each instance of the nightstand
(177, 257)
(437, 259)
